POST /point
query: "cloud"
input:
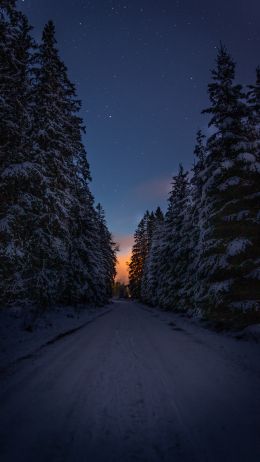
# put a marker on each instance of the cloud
(125, 241)
(157, 188)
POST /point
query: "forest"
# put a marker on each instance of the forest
(203, 255)
(55, 247)
(165, 368)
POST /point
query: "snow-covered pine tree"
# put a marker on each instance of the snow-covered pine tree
(137, 261)
(142, 239)
(175, 246)
(200, 156)
(253, 102)
(64, 248)
(252, 158)
(193, 281)
(253, 120)
(227, 229)
(50, 242)
(108, 250)
(165, 262)
(49, 250)
(82, 273)
(151, 266)
(19, 175)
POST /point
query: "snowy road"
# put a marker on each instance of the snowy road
(131, 387)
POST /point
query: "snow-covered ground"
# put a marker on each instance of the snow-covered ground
(195, 324)
(242, 347)
(22, 334)
(137, 384)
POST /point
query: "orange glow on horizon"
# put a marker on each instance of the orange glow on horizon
(122, 268)
(125, 242)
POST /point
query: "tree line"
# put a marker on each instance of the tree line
(55, 246)
(204, 253)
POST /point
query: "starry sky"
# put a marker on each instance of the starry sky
(141, 68)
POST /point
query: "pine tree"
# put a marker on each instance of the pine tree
(175, 248)
(193, 281)
(151, 266)
(50, 241)
(108, 251)
(227, 232)
(67, 257)
(49, 251)
(142, 240)
(253, 123)
(19, 175)
(252, 159)
(137, 261)
(205, 254)
(253, 102)
(81, 274)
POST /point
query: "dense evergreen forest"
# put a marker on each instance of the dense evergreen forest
(55, 247)
(204, 254)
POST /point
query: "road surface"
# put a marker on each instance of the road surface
(132, 387)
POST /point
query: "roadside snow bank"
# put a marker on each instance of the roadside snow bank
(251, 332)
(21, 336)
(241, 347)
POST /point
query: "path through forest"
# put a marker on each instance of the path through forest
(133, 387)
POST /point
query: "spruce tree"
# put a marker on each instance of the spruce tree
(193, 281)
(252, 160)
(108, 249)
(66, 256)
(151, 266)
(175, 246)
(50, 242)
(49, 251)
(227, 232)
(19, 175)
(142, 239)
(81, 277)
(253, 102)
(137, 261)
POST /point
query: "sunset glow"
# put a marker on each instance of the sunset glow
(123, 257)
(122, 267)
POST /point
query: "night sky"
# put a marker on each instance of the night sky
(141, 70)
